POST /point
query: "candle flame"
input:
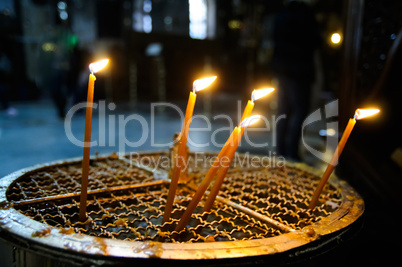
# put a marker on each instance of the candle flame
(258, 93)
(203, 83)
(363, 113)
(97, 66)
(250, 120)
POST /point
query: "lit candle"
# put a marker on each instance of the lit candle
(224, 169)
(93, 67)
(256, 94)
(180, 157)
(360, 114)
(229, 148)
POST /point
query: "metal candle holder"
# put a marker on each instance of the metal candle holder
(260, 212)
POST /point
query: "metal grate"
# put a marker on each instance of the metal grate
(126, 201)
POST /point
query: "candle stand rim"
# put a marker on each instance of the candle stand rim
(17, 227)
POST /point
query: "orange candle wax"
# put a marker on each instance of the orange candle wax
(178, 164)
(94, 67)
(247, 111)
(360, 114)
(332, 163)
(220, 177)
(224, 168)
(87, 148)
(225, 156)
(181, 155)
(232, 140)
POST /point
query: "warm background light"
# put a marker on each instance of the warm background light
(336, 38)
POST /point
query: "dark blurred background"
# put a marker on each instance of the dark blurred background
(158, 47)
(179, 40)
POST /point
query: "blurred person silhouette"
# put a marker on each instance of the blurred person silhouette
(6, 64)
(296, 38)
(5, 70)
(81, 77)
(62, 58)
